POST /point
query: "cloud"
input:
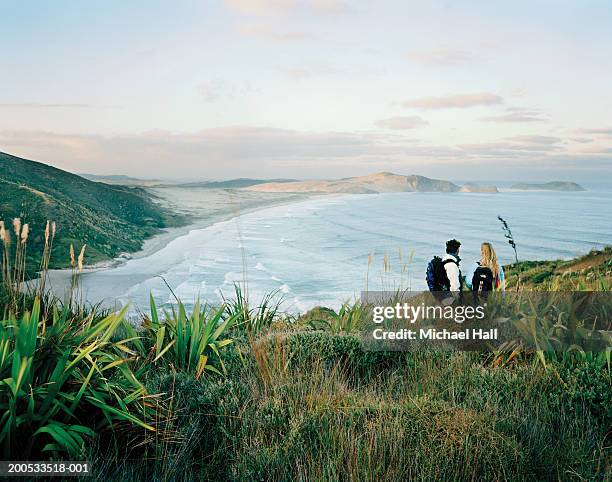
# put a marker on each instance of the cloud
(318, 7)
(518, 114)
(454, 101)
(35, 105)
(596, 150)
(519, 92)
(254, 151)
(311, 71)
(505, 149)
(249, 6)
(605, 131)
(534, 139)
(273, 34)
(215, 90)
(512, 118)
(442, 57)
(524, 146)
(215, 152)
(402, 122)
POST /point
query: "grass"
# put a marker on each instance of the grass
(592, 271)
(237, 392)
(310, 405)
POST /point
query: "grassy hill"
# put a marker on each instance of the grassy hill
(592, 271)
(109, 219)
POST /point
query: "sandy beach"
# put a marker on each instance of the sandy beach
(204, 207)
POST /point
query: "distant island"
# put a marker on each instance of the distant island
(548, 186)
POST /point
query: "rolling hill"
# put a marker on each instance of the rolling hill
(109, 219)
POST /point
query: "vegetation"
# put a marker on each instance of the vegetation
(592, 271)
(109, 219)
(187, 342)
(237, 392)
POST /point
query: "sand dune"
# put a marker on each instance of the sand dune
(373, 183)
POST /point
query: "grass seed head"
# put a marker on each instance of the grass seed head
(24, 233)
(80, 258)
(17, 226)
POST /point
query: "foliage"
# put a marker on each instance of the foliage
(299, 401)
(63, 380)
(187, 342)
(592, 271)
(508, 235)
(295, 411)
(348, 319)
(253, 318)
(109, 219)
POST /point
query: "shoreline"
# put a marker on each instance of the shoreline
(166, 235)
(59, 280)
(197, 263)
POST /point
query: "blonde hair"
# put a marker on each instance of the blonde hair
(488, 258)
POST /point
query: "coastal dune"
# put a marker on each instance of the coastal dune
(370, 184)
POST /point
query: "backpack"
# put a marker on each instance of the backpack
(436, 277)
(482, 281)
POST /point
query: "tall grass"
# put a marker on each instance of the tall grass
(14, 256)
(253, 318)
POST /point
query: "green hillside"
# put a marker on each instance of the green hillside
(593, 271)
(109, 219)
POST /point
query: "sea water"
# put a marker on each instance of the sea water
(325, 250)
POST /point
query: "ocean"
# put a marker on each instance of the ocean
(326, 250)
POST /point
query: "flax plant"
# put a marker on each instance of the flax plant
(188, 342)
(63, 380)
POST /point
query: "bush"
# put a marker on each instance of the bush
(187, 342)
(63, 380)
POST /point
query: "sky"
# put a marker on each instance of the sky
(474, 89)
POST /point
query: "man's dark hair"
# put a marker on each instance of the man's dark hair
(452, 246)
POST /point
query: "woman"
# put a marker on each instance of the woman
(487, 274)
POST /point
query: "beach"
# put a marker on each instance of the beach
(324, 250)
(203, 207)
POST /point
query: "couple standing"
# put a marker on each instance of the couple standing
(444, 275)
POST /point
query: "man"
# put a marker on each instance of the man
(451, 266)
(443, 276)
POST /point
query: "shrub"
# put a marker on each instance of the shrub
(187, 342)
(253, 318)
